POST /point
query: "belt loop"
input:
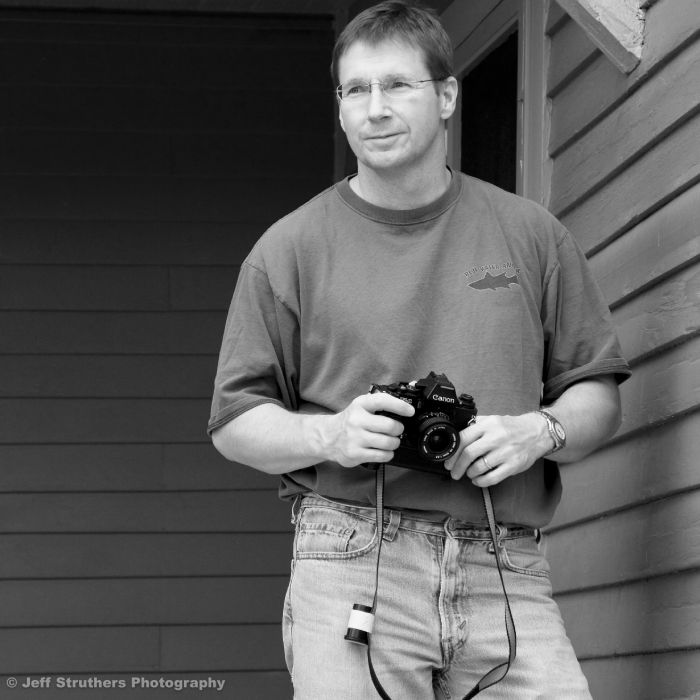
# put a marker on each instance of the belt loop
(391, 528)
(296, 507)
(502, 532)
(449, 527)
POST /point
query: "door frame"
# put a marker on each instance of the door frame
(476, 28)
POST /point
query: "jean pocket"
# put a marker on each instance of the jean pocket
(326, 533)
(522, 555)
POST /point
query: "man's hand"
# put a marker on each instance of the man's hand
(496, 447)
(357, 435)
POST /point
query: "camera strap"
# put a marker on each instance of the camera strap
(379, 505)
(497, 673)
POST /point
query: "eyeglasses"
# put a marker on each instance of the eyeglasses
(357, 90)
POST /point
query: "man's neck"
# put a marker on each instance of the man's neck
(401, 191)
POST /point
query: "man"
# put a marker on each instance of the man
(405, 268)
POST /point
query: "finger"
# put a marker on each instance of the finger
(458, 470)
(379, 401)
(473, 469)
(454, 463)
(467, 455)
(492, 477)
(379, 441)
(385, 425)
(480, 466)
(376, 456)
(473, 432)
(458, 466)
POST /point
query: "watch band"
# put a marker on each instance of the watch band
(556, 431)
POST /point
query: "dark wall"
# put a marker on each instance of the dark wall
(140, 158)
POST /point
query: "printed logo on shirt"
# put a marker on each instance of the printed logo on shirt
(494, 276)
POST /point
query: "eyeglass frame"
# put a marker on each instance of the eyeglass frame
(381, 83)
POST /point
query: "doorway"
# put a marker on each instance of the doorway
(489, 128)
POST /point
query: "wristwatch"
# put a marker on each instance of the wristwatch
(556, 431)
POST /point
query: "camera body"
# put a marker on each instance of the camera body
(431, 434)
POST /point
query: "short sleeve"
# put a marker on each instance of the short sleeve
(257, 363)
(579, 336)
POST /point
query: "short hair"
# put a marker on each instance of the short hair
(402, 21)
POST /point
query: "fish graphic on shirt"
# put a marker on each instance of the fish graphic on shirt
(489, 281)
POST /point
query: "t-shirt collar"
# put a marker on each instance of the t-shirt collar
(400, 216)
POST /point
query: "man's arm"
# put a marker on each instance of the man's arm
(276, 441)
(497, 447)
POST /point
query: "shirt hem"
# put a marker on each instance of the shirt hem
(615, 366)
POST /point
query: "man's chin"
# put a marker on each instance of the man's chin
(382, 161)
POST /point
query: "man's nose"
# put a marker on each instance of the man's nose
(377, 105)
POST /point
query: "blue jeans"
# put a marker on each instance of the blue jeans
(439, 624)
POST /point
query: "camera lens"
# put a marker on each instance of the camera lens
(439, 439)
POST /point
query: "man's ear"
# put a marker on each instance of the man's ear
(340, 119)
(448, 96)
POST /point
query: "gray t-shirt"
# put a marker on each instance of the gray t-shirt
(482, 285)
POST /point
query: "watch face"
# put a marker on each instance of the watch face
(559, 431)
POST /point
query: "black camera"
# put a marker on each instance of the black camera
(431, 434)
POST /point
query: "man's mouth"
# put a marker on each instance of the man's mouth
(381, 137)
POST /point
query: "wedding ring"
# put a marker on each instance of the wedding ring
(487, 465)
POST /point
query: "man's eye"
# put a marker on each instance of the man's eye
(398, 85)
(355, 89)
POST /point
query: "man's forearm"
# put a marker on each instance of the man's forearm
(276, 441)
(272, 439)
(590, 412)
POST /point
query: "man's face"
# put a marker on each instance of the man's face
(397, 134)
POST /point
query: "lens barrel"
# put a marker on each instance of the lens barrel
(439, 439)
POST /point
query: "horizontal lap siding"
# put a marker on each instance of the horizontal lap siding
(74, 555)
(625, 544)
(140, 158)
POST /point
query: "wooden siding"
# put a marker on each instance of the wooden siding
(625, 544)
(140, 158)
